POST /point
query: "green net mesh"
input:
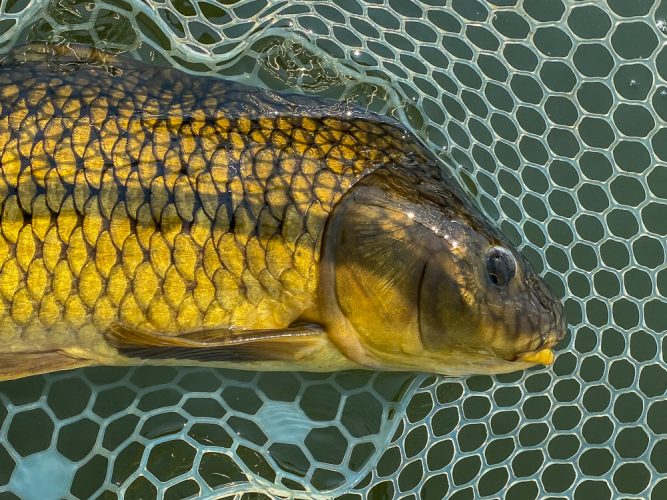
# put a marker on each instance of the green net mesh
(552, 114)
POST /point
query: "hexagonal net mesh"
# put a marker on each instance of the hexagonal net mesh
(552, 114)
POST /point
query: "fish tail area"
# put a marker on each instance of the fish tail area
(24, 364)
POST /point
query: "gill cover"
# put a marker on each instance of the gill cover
(381, 254)
(413, 278)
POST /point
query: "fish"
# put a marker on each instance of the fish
(150, 216)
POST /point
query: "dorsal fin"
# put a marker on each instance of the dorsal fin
(67, 57)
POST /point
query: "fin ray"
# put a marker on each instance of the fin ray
(24, 364)
(67, 56)
(216, 344)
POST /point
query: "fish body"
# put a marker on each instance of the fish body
(150, 216)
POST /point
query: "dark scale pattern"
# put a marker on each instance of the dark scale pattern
(166, 202)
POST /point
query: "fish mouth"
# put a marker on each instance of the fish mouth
(544, 356)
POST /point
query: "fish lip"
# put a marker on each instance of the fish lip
(547, 343)
(544, 356)
(548, 339)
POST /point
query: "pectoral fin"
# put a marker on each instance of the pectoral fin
(219, 345)
(24, 364)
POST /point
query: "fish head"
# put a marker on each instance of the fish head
(415, 278)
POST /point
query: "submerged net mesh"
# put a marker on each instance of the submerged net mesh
(552, 114)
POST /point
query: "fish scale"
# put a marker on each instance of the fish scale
(163, 201)
(150, 216)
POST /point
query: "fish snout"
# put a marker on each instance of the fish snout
(553, 315)
(559, 328)
(548, 326)
(551, 334)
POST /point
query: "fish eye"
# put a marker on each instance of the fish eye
(500, 266)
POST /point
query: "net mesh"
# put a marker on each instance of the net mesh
(552, 114)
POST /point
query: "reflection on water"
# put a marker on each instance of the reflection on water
(43, 475)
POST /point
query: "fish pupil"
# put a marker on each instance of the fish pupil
(500, 266)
